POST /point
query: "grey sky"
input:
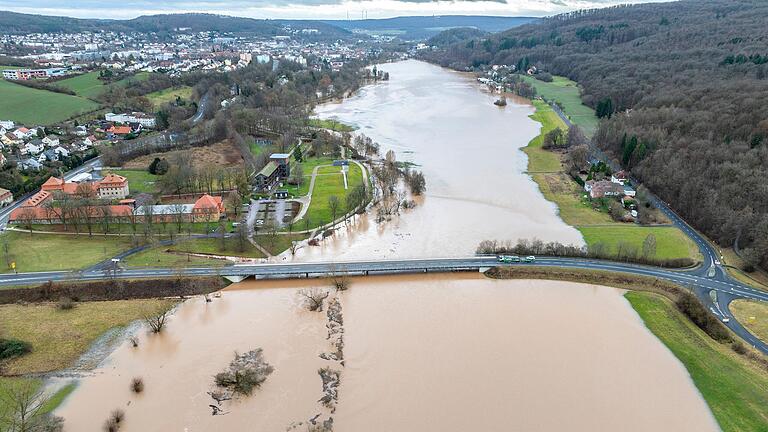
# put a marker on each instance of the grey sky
(301, 8)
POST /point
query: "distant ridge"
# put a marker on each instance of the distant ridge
(424, 27)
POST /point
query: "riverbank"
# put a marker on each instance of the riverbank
(596, 227)
(732, 384)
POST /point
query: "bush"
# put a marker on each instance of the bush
(10, 348)
(137, 385)
(65, 303)
(245, 373)
(689, 305)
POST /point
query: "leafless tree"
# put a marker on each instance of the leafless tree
(22, 408)
(156, 322)
(313, 298)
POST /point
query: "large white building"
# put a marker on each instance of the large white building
(143, 119)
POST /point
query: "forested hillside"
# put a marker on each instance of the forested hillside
(682, 89)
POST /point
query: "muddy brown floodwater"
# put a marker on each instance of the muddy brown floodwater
(422, 353)
(450, 353)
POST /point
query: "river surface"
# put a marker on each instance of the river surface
(469, 151)
(449, 353)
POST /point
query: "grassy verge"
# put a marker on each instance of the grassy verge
(733, 387)
(576, 210)
(540, 160)
(33, 106)
(213, 246)
(753, 315)
(568, 94)
(159, 257)
(59, 337)
(757, 279)
(86, 85)
(40, 252)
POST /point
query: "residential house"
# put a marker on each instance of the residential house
(48, 155)
(81, 131)
(10, 139)
(118, 130)
(620, 177)
(90, 141)
(21, 133)
(30, 164)
(50, 141)
(61, 151)
(33, 147)
(3, 160)
(7, 124)
(6, 197)
(603, 188)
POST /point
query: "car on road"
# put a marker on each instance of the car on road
(726, 320)
(529, 259)
(508, 258)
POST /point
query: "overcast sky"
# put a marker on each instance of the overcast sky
(303, 9)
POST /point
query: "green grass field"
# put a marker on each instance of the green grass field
(39, 107)
(753, 315)
(568, 94)
(213, 246)
(671, 243)
(86, 85)
(540, 160)
(169, 95)
(734, 388)
(158, 257)
(40, 252)
(330, 182)
(139, 181)
(59, 337)
(333, 125)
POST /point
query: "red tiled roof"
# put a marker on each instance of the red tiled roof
(208, 202)
(37, 199)
(53, 183)
(113, 180)
(42, 213)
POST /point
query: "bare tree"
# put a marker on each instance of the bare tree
(334, 204)
(313, 298)
(156, 322)
(22, 408)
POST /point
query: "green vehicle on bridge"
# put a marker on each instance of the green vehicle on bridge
(508, 258)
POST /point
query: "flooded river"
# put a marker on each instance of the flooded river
(422, 353)
(445, 353)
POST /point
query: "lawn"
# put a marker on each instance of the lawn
(40, 252)
(280, 243)
(753, 315)
(540, 160)
(59, 337)
(212, 246)
(32, 106)
(333, 125)
(671, 243)
(734, 388)
(86, 85)
(329, 181)
(568, 94)
(307, 166)
(159, 257)
(568, 195)
(139, 181)
(169, 95)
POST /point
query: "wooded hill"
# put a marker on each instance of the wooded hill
(682, 88)
(18, 23)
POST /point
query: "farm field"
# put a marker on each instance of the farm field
(40, 107)
(169, 95)
(567, 92)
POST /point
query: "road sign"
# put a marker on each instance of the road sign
(13, 265)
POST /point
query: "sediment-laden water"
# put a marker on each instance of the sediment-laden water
(420, 353)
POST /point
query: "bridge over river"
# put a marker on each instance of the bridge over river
(703, 281)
